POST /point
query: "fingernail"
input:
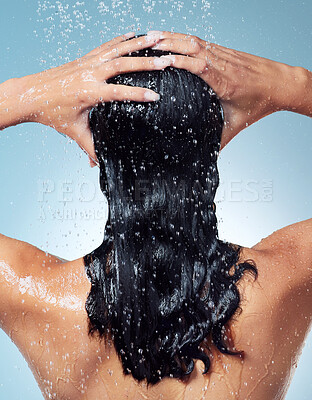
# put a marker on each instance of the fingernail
(169, 58)
(153, 37)
(151, 96)
(154, 33)
(161, 62)
(157, 46)
(129, 35)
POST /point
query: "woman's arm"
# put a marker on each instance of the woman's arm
(62, 97)
(248, 86)
(10, 110)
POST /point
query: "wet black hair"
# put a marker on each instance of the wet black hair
(161, 281)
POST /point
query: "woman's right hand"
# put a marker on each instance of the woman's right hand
(249, 87)
(62, 97)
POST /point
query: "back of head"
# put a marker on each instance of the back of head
(161, 279)
(187, 118)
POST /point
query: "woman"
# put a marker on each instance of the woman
(43, 299)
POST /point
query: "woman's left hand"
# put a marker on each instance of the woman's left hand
(62, 97)
(249, 87)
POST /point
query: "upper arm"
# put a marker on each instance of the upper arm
(20, 254)
(11, 250)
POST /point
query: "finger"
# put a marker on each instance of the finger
(129, 46)
(197, 66)
(131, 64)
(216, 59)
(111, 92)
(120, 39)
(111, 43)
(178, 36)
(191, 49)
(194, 46)
(186, 47)
(188, 37)
(211, 75)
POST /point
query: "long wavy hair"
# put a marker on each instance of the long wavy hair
(161, 281)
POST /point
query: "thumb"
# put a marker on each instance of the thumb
(84, 139)
(92, 163)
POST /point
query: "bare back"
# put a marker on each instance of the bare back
(48, 323)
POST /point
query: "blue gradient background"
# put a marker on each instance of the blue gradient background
(265, 171)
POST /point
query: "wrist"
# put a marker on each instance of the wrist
(298, 88)
(14, 108)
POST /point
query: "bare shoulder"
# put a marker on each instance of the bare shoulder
(285, 259)
(294, 239)
(20, 262)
